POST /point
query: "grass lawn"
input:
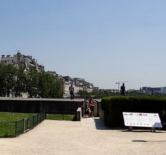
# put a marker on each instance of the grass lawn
(8, 125)
(12, 124)
(9, 117)
(60, 117)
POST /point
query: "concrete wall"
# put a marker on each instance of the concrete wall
(51, 106)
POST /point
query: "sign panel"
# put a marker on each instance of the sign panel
(142, 120)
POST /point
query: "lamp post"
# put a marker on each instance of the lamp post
(118, 83)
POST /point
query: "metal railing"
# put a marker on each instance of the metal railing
(15, 128)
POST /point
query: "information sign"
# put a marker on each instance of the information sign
(142, 120)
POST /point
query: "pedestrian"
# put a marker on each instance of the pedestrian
(71, 89)
(122, 90)
(92, 104)
(87, 110)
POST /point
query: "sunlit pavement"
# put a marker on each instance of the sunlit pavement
(86, 137)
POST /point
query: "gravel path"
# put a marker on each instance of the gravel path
(88, 137)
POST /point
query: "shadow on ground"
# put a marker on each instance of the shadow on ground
(150, 141)
(143, 130)
(99, 123)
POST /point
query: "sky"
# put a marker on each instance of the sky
(102, 41)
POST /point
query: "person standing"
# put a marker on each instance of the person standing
(71, 89)
(86, 109)
(122, 90)
(92, 104)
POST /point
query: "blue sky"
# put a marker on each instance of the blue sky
(103, 41)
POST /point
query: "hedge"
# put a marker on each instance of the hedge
(114, 106)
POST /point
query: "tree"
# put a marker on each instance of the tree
(50, 86)
(37, 84)
(7, 78)
(20, 85)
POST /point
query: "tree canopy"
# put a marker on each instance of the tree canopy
(14, 81)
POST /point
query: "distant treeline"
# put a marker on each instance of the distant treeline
(106, 93)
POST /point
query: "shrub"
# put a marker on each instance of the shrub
(114, 106)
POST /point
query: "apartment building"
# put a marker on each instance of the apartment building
(79, 84)
(22, 61)
(153, 90)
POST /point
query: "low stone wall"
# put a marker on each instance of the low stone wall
(51, 106)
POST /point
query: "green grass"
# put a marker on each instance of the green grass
(8, 125)
(5, 116)
(8, 122)
(60, 117)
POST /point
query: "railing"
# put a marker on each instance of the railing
(13, 129)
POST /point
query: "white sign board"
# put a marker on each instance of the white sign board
(142, 120)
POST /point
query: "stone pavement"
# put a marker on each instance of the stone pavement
(88, 137)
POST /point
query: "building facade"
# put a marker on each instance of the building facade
(22, 61)
(79, 84)
(153, 90)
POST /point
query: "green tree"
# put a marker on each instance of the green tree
(50, 86)
(32, 83)
(20, 85)
(7, 78)
(37, 84)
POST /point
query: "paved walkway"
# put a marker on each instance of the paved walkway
(88, 137)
